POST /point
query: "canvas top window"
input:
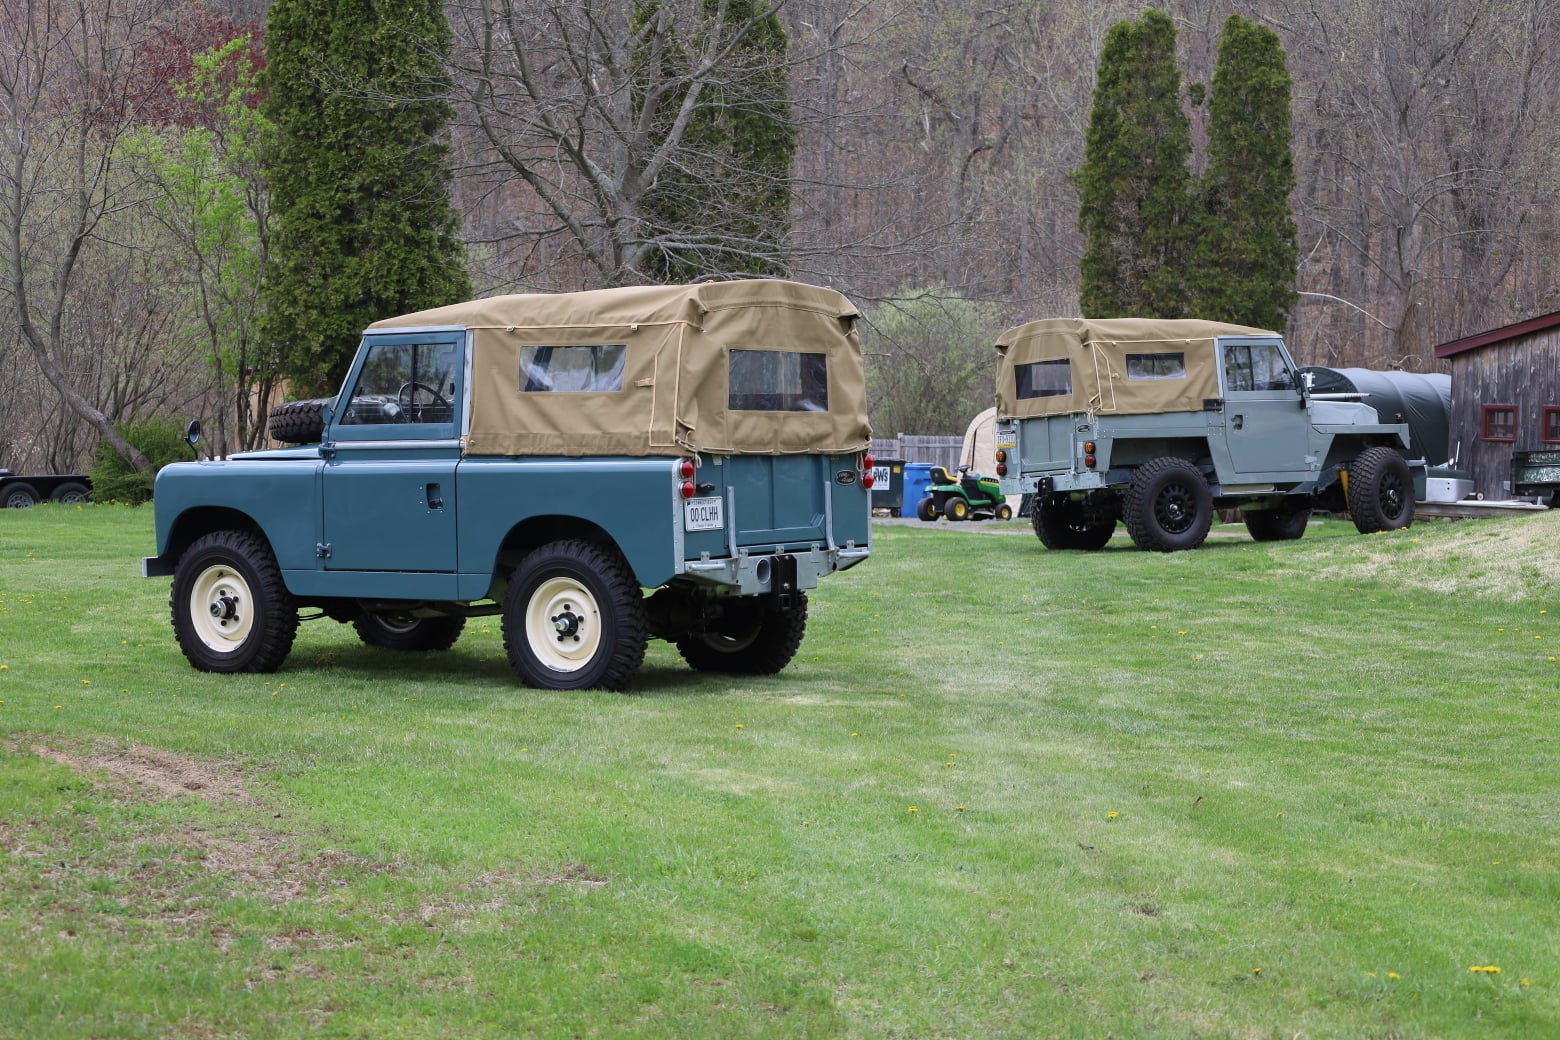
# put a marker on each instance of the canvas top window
(1042, 379)
(596, 368)
(1163, 365)
(778, 381)
(404, 383)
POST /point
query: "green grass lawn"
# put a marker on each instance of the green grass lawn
(1256, 790)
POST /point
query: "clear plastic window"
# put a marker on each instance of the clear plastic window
(1256, 366)
(1043, 379)
(404, 383)
(778, 381)
(572, 370)
(1156, 366)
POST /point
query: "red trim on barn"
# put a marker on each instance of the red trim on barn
(1500, 335)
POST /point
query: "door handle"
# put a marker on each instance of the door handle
(1237, 421)
(435, 497)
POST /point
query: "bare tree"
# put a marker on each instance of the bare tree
(576, 112)
(1423, 132)
(65, 69)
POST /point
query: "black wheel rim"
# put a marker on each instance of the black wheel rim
(1175, 508)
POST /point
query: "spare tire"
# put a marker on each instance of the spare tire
(299, 422)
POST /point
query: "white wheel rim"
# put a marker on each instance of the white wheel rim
(563, 624)
(222, 610)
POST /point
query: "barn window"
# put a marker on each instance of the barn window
(1551, 426)
(1500, 422)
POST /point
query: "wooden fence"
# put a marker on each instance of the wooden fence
(938, 451)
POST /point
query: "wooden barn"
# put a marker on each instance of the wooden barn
(1505, 398)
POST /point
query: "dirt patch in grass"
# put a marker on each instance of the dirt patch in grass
(242, 844)
(162, 774)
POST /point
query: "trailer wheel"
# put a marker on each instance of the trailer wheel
(1381, 491)
(574, 619)
(750, 638)
(71, 493)
(1168, 506)
(231, 610)
(20, 496)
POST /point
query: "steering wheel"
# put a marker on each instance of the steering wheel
(406, 397)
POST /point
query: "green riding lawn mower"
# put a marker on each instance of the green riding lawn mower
(968, 496)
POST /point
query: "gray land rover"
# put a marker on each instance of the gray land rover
(1159, 422)
(549, 459)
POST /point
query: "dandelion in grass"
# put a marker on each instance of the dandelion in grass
(1112, 815)
(913, 809)
(1393, 975)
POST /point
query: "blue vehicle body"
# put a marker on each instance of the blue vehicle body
(392, 523)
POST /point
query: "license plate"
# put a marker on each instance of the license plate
(703, 514)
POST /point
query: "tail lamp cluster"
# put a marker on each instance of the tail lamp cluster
(868, 478)
(1001, 462)
(685, 470)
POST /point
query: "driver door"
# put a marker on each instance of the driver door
(1265, 420)
(389, 484)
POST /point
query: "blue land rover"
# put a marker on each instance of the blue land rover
(598, 468)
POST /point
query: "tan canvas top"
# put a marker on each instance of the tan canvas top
(1124, 365)
(671, 391)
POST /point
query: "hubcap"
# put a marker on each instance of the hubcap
(563, 624)
(221, 610)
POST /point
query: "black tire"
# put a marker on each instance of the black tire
(1061, 523)
(299, 422)
(574, 619)
(71, 493)
(1283, 523)
(957, 509)
(750, 638)
(926, 509)
(1004, 512)
(19, 496)
(231, 610)
(406, 633)
(1168, 506)
(1381, 491)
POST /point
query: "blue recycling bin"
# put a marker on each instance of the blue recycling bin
(918, 477)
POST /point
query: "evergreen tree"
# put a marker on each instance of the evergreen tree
(361, 219)
(1242, 266)
(1133, 183)
(724, 205)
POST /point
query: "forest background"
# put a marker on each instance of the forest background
(931, 182)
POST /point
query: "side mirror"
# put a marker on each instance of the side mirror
(192, 436)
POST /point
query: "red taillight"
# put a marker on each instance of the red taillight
(1088, 460)
(868, 479)
(688, 489)
(685, 469)
(867, 461)
(1001, 469)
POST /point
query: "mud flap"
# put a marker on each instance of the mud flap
(782, 581)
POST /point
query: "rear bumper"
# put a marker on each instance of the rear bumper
(754, 575)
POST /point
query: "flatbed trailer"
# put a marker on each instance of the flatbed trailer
(24, 492)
